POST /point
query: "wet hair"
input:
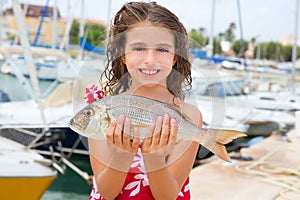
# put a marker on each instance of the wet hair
(117, 77)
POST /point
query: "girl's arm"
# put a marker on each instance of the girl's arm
(111, 159)
(167, 178)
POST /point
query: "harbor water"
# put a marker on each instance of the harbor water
(70, 186)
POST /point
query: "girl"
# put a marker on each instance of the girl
(147, 56)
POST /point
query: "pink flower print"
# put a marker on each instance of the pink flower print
(94, 195)
(92, 94)
(141, 179)
(185, 189)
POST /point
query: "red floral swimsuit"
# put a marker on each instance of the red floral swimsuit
(136, 184)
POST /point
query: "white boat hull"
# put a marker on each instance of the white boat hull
(22, 174)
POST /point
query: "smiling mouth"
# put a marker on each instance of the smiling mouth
(149, 71)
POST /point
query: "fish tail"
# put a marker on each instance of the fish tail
(216, 140)
(226, 136)
(221, 152)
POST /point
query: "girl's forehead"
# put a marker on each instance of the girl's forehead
(147, 33)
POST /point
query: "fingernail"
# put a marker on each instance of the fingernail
(166, 116)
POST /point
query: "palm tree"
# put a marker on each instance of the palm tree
(229, 33)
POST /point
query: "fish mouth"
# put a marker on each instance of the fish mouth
(73, 125)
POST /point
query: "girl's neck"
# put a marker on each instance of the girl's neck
(157, 92)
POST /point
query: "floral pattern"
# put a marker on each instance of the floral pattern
(92, 93)
(137, 183)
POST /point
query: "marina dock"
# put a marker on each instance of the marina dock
(273, 174)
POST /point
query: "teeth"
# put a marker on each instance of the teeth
(149, 72)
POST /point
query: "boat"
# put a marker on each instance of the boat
(50, 64)
(23, 172)
(209, 81)
(276, 101)
(23, 117)
(39, 122)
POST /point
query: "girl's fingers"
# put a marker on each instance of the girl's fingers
(148, 139)
(111, 130)
(118, 131)
(157, 131)
(173, 131)
(126, 134)
(135, 140)
(165, 131)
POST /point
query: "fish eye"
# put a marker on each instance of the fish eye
(88, 112)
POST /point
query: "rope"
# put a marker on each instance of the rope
(287, 177)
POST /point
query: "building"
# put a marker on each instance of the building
(289, 40)
(33, 16)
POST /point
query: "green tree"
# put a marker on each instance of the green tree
(94, 33)
(198, 39)
(229, 33)
(237, 47)
(74, 33)
(287, 52)
(217, 49)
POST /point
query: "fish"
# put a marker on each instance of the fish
(94, 119)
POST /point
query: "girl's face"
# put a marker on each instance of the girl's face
(149, 54)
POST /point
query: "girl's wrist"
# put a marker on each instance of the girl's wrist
(154, 161)
(121, 161)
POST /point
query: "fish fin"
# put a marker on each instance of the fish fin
(226, 136)
(216, 139)
(221, 152)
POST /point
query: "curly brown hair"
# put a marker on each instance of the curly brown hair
(117, 77)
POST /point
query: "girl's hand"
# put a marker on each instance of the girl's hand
(161, 137)
(122, 149)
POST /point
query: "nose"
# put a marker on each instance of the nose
(149, 57)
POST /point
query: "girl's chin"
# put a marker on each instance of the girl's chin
(149, 83)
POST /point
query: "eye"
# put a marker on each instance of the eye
(139, 49)
(88, 112)
(162, 50)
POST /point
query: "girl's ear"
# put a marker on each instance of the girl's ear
(123, 60)
(174, 59)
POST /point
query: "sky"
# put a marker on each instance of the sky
(265, 20)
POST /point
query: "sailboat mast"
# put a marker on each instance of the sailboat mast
(294, 50)
(28, 56)
(81, 30)
(211, 37)
(241, 31)
(108, 19)
(54, 23)
(1, 16)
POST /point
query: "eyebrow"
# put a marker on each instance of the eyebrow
(159, 44)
